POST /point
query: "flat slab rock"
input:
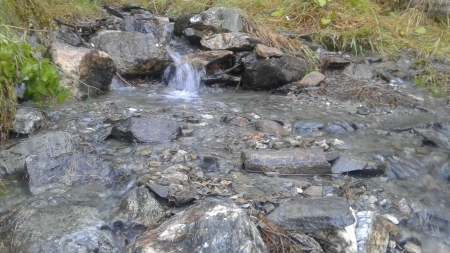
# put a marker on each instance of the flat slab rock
(287, 161)
(213, 225)
(154, 130)
(313, 214)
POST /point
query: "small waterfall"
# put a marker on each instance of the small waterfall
(184, 75)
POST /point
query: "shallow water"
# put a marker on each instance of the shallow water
(212, 137)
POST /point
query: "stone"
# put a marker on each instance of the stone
(338, 127)
(58, 174)
(433, 138)
(265, 51)
(287, 161)
(181, 23)
(359, 71)
(399, 168)
(230, 41)
(314, 191)
(225, 79)
(141, 207)
(334, 62)
(307, 243)
(155, 130)
(193, 36)
(49, 144)
(411, 248)
(196, 230)
(28, 120)
(67, 37)
(134, 53)
(271, 127)
(221, 19)
(216, 60)
(303, 127)
(273, 72)
(85, 72)
(313, 214)
(372, 232)
(346, 164)
(312, 79)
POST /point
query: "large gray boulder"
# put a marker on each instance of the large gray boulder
(213, 225)
(50, 144)
(58, 174)
(134, 53)
(154, 130)
(236, 41)
(85, 72)
(287, 161)
(29, 120)
(271, 73)
(56, 229)
(313, 214)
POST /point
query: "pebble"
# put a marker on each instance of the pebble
(392, 219)
(372, 199)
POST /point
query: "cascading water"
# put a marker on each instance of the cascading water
(184, 75)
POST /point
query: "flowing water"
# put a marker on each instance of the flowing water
(428, 194)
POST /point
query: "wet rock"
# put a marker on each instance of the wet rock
(220, 19)
(346, 164)
(181, 23)
(372, 232)
(271, 73)
(334, 62)
(399, 168)
(134, 53)
(303, 127)
(196, 230)
(265, 51)
(307, 243)
(443, 172)
(271, 127)
(433, 138)
(313, 214)
(50, 144)
(215, 60)
(57, 174)
(28, 120)
(312, 79)
(222, 79)
(83, 71)
(173, 185)
(370, 170)
(287, 161)
(155, 130)
(193, 36)
(230, 41)
(141, 207)
(339, 127)
(64, 228)
(359, 71)
(207, 163)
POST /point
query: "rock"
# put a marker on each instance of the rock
(215, 60)
(265, 51)
(271, 127)
(57, 174)
(62, 228)
(312, 79)
(303, 127)
(433, 138)
(181, 23)
(225, 79)
(287, 161)
(271, 73)
(334, 62)
(155, 130)
(83, 71)
(359, 71)
(313, 214)
(346, 164)
(141, 207)
(372, 232)
(196, 230)
(306, 243)
(399, 168)
(134, 53)
(50, 144)
(314, 191)
(207, 163)
(67, 37)
(173, 185)
(339, 127)
(193, 36)
(219, 19)
(28, 120)
(236, 41)
(411, 248)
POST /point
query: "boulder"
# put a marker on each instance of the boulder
(271, 127)
(372, 232)
(220, 19)
(49, 228)
(271, 73)
(58, 174)
(85, 72)
(28, 120)
(181, 23)
(134, 53)
(313, 214)
(212, 225)
(287, 161)
(312, 79)
(304, 127)
(265, 51)
(141, 207)
(155, 130)
(236, 41)
(50, 144)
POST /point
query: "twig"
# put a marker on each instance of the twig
(125, 81)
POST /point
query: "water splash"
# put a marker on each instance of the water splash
(184, 75)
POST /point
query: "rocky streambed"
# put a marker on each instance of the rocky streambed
(353, 159)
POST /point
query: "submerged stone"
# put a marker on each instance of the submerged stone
(154, 130)
(271, 127)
